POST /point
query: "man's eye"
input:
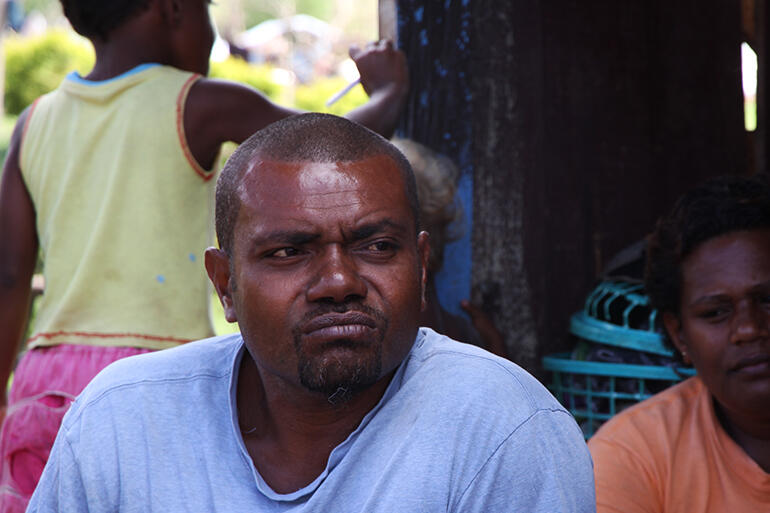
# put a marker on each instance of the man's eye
(284, 253)
(380, 246)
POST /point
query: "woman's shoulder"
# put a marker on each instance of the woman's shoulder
(664, 411)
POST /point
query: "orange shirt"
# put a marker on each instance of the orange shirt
(669, 454)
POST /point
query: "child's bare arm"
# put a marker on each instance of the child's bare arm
(18, 253)
(219, 111)
(385, 79)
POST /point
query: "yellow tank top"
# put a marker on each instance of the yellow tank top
(123, 212)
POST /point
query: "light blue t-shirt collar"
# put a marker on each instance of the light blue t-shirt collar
(337, 454)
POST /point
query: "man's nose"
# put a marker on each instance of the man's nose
(337, 278)
(749, 323)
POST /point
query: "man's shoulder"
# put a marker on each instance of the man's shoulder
(470, 374)
(202, 359)
(211, 356)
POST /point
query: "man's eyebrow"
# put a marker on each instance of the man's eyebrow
(367, 230)
(291, 237)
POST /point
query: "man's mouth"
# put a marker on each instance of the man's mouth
(348, 325)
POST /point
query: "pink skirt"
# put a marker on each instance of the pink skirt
(45, 383)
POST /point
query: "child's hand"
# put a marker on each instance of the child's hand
(382, 68)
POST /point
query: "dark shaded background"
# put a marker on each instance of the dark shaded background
(575, 124)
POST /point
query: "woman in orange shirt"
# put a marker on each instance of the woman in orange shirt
(704, 444)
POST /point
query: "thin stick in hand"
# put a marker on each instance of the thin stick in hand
(343, 92)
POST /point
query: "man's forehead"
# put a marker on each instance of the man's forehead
(261, 171)
(269, 180)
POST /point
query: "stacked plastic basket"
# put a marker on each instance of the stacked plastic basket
(619, 358)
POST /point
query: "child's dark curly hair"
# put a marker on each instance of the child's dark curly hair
(97, 18)
(719, 206)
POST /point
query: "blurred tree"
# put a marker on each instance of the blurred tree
(233, 16)
(50, 9)
(36, 65)
(2, 60)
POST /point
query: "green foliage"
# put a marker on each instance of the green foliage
(322, 9)
(258, 77)
(6, 129)
(35, 66)
(51, 9)
(310, 97)
(257, 12)
(313, 97)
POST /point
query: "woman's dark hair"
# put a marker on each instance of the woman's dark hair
(718, 206)
(97, 18)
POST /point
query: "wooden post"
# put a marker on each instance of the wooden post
(762, 49)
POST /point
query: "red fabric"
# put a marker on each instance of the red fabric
(45, 383)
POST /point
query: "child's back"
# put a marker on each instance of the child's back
(121, 212)
(110, 175)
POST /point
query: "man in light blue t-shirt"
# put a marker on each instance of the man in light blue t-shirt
(331, 399)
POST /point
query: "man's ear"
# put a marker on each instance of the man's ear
(218, 268)
(423, 252)
(673, 326)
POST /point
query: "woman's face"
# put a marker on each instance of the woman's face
(724, 321)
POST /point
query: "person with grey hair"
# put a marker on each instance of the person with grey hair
(331, 397)
(441, 216)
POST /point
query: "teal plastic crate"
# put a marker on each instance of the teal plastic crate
(595, 391)
(618, 313)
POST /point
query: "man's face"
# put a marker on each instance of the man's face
(327, 272)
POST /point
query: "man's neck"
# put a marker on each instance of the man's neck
(288, 431)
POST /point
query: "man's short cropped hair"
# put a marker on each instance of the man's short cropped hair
(311, 137)
(717, 207)
(97, 18)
